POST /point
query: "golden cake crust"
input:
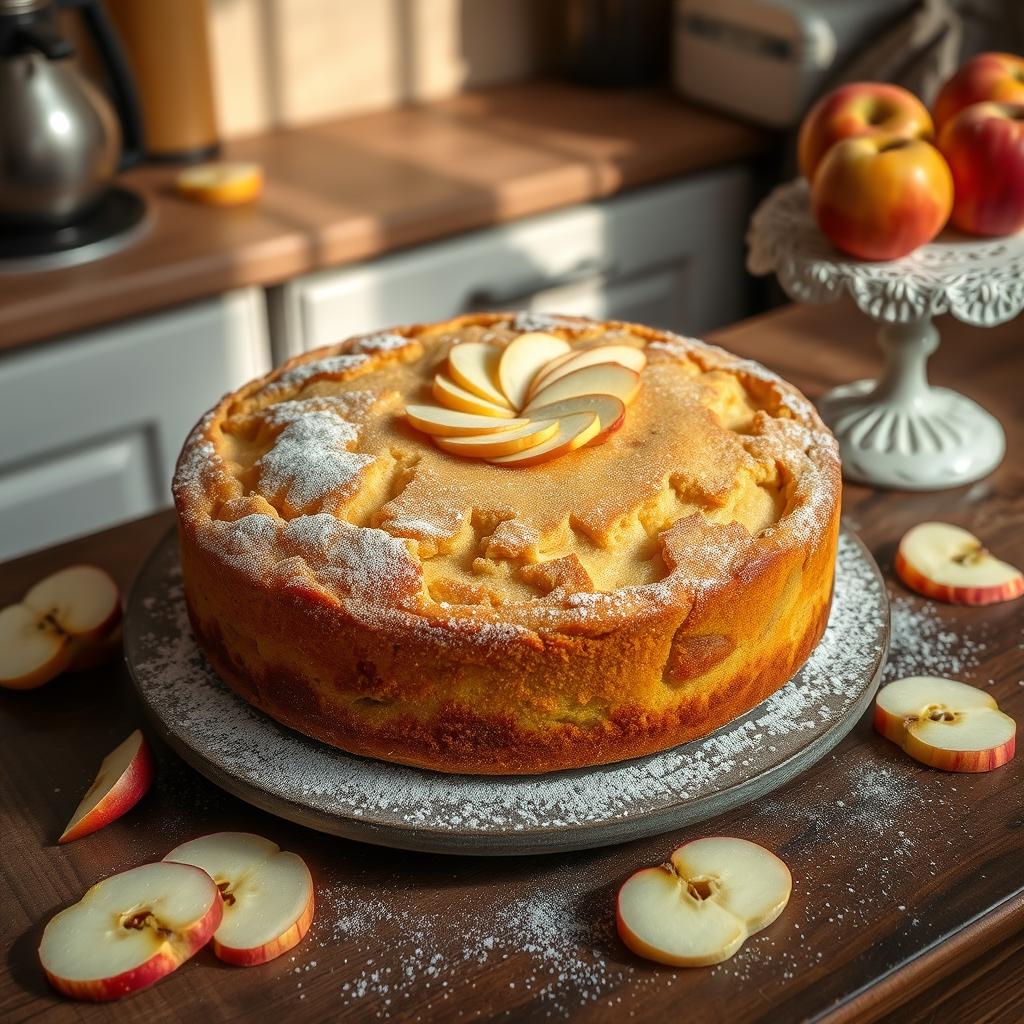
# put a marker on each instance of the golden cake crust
(367, 589)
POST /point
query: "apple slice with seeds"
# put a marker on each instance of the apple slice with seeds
(448, 393)
(504, 443)
(599, 379)
(523, 358)
(444, 422)
(945, 724)
(573, 432)
(268, 894)
(474, 366)
(624, 355)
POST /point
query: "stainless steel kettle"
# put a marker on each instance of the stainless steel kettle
(61, 142)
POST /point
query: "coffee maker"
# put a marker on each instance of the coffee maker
(62, 141)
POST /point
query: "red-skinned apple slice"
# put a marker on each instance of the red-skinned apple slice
(523, 358)
(474, 366)
(443, 422)
(448, 393)
(599, 379)
(130, 930)
(56, 626)
(624, 355)
(610, 411)
(268, 894)
(122, 781)
(950, 564)
(573, 432)
(945, 724)
(700, 907)
(504, 443)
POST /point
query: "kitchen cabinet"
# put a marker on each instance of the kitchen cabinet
(93, 423)
(670, 256)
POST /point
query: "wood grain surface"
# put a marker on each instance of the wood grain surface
(355, 188)
(909, 883)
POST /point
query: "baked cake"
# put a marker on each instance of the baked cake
(374, 554)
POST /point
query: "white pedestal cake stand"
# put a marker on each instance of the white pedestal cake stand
(898, 431)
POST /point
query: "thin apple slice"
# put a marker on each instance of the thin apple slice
(600, 379)
(945, 724)
(573, 432)
(504, 443)
(523, 358)
(474, 366)
(699, 908)
(130, 930)
(610, 411)
(31, 652)
(624, 355)
(448, 393)
(82, 600)
(122, 781)
(268, 894)
(443, 422)
(943, 561)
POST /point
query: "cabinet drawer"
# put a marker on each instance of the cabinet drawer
(93, 423)
(591, 260)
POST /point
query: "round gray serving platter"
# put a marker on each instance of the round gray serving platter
(265, 764)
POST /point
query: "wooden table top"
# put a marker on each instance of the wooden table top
(903, 875)
(355, 188)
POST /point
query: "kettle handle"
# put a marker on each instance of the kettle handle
(122, 83)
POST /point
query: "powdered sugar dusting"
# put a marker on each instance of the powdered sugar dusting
(195, 705)
(338, 365)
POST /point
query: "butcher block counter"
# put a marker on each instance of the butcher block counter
(354, 189)
(908, 901)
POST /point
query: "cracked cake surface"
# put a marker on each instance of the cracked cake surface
(365, 587)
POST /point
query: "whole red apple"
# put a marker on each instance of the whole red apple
(879, 199)
(984, 145)
(989, 77)
(873, 109)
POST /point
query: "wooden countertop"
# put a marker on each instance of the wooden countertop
(903, 875)
(353, 189)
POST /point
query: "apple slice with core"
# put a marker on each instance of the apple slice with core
(456, 397)
(950, 564)
(56, 624)
(574, 431)
(610, 411)
(624, 355)
(122, 781)
(523, 358)
(503, 443)
(130, 930)
(599, 379)
(268, 894)
(474, 366)
(700, 907)
(442, 422)
(945, 724)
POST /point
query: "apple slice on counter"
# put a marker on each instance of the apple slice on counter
(474, 366)
(624, 355)
(122, 781)
(599, 379)
(268, 894)
(443, 422)
(950, 564)
(130, 930)
(456, 397)
(59, 624)
(945, 724)
(523, 358)
(505, 442)
(573, 432)
(700, 907)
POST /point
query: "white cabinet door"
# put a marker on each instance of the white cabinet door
(670, 256)
(92, 424)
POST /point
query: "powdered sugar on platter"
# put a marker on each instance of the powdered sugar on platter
(223, 735)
